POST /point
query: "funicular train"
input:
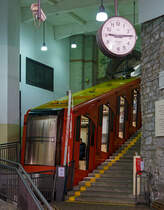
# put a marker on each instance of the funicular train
(103, 116)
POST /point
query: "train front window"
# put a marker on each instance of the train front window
(41, 140)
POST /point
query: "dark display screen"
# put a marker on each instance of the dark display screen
(39, 75)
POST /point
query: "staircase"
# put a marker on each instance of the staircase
(112, 181)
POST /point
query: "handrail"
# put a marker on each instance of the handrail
(20, 169)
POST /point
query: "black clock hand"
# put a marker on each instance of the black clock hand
(120, 36)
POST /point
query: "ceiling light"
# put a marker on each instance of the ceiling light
(44, 47)
(73, 45)
(101, 15)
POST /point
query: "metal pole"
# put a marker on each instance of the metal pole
(39, 11)
(134, 12)
(116, 7)
(67, 127)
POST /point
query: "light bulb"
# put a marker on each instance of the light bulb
(101, 16)
(73, 45)
(44, 47)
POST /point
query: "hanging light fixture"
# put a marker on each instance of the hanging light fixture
(101, 15)
(73, 45)
(44, 46)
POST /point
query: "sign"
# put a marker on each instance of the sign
(61, 171)
(159, 118)
(138, 165)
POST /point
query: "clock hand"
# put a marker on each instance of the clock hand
(120, 35)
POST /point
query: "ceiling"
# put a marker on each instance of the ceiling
(71, 17)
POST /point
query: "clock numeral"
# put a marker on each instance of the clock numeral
(128, 31)
(128, 43)
(112, 24)
(106, 35)
(118, 49)
(109, 29)
(117, 23)
(124, 47)
(107, 41)
(123, 25)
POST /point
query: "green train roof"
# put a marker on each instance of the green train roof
(86, 95)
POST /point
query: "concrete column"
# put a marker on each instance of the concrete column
(83, 62)
(9, 70)
(77, 63)
(90, 61)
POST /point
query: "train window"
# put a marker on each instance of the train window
(41, 140)
(78, 124)
(93, 134)
(105, 129)
(111, 120)
(135, 107)
(122, 110)
(100, 114)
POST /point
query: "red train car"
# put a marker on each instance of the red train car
(103, 116)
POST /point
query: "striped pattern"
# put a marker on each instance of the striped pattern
(106, 167)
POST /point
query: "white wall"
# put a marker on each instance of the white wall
(57, 57)
(150, 9)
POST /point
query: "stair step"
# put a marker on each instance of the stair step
(115, 185)
(117, 167)
(116, 171)
(107, 200)
(103, 194)
(112, 179)
(103, 183)
(110, 189)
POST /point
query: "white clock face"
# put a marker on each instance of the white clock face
(118, 36)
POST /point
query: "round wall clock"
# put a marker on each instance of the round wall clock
(116, 37)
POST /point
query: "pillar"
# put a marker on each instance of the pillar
(83, 62)
(9, 70)
(152, 63)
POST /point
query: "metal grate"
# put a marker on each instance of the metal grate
(10, 151)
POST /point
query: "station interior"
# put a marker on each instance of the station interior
(58, 88)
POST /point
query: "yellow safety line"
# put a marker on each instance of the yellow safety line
(98, 175)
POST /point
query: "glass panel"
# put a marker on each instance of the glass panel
(105, 129)
(41, 140)
(134, 123)
(84, 129)
(40, 153)
(121, 117)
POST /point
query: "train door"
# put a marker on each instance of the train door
(85, 134)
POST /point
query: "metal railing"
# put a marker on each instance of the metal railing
(147, 183)
(143, 188)
(45, 182)
(16, 185)
(10, 151)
